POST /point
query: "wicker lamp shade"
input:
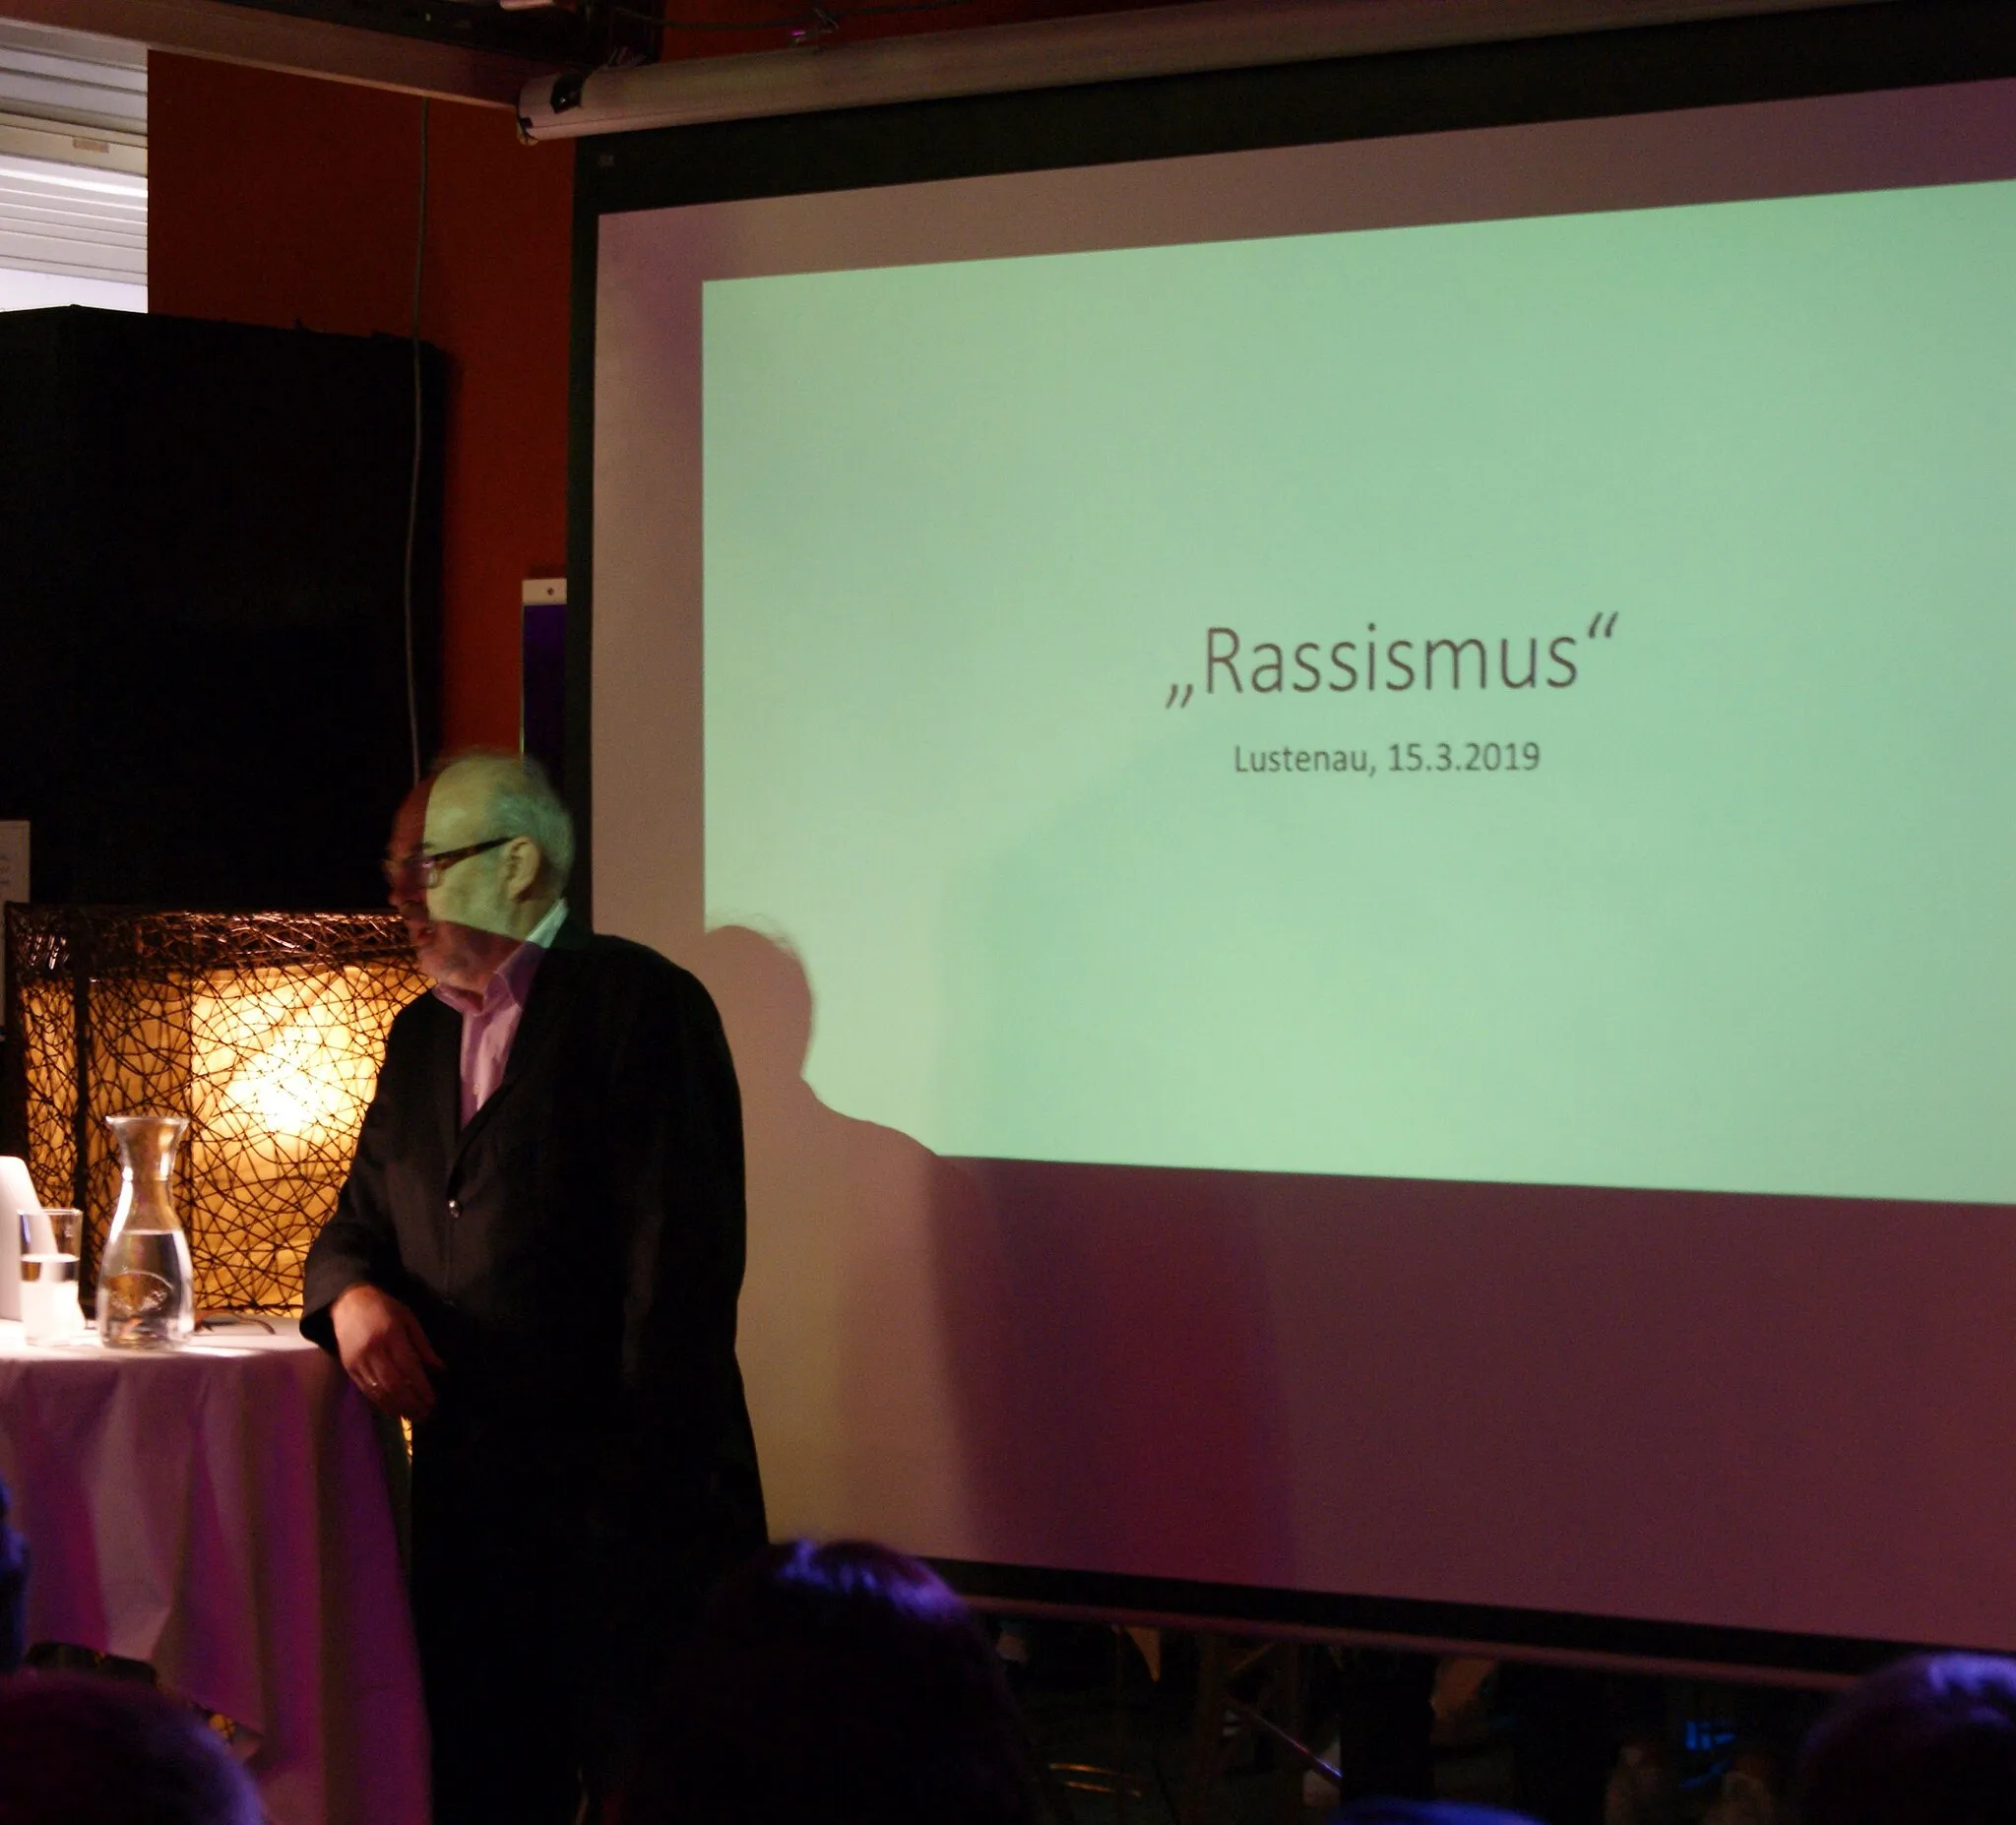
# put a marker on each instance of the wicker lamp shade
(265, 1030)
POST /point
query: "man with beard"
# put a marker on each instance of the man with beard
(535, 1261)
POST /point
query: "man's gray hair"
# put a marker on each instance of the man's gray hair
(523, 803)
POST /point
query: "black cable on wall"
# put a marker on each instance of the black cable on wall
(412, 505)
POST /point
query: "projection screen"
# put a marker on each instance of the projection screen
(1350, 807)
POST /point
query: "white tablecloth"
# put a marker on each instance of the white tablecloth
(219, 1512)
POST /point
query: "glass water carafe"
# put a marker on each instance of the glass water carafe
(146, 1299)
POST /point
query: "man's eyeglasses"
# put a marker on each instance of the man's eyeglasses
(428, 870)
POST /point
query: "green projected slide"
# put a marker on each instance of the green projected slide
(1526, 701)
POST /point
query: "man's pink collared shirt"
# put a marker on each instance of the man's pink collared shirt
(489, 1021)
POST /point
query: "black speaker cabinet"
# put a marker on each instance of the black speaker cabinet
(204, 644)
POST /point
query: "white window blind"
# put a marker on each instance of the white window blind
(73, 170)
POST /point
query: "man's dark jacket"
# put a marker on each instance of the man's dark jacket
(573, 1255)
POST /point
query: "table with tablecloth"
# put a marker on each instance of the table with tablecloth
(219, 1511)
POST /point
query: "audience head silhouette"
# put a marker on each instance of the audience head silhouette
(1930, 1740)
(13, 1564)
(91, 1751)
(1387, 1810)
(842, 1683)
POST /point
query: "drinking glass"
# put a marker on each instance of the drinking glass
(50, 1244)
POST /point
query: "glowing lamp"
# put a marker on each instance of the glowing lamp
(265, 1030)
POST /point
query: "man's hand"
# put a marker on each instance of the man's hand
(385, 1352)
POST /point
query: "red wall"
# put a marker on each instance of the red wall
(278, 199)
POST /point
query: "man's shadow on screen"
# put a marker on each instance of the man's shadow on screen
(993, 1360)
(875, 1316)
